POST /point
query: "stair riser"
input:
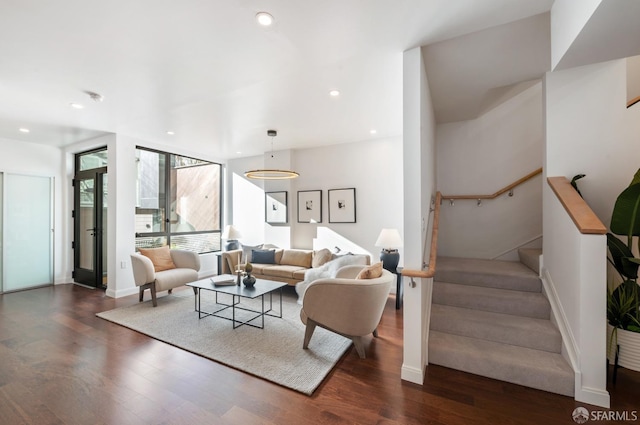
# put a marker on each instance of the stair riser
(537, 339)
(558, 384)
(528, 284)
(527, 305)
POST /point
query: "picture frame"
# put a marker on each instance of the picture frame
(310, 206)
(342, 205)
(276, 207)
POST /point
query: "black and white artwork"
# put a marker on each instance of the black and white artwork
(342, 205)
(310, 206)
(275, 207)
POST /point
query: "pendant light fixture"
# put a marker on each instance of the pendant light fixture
(271, 174)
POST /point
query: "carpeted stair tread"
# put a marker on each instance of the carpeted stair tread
(520, 303)
(524, 366)
(530, 257)
(488, 273)
(527, 332)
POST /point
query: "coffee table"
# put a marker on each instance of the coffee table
(261, 288)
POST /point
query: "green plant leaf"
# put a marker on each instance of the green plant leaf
(621, 304)
(636, 178)
(622, 257)
(625, 219)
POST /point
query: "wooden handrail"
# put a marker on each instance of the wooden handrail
(431, 271)
(633, 101)
(583, 217)
(501, 191)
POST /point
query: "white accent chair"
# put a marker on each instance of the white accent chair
(345, 305)
(187, 267)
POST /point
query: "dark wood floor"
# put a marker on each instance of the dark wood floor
(60, 364)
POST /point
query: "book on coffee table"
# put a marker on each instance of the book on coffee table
(223, 280)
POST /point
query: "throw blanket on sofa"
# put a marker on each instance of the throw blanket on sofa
(327, 270)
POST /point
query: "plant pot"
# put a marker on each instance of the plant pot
(629, 343)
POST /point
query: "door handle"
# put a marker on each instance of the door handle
(92, 230)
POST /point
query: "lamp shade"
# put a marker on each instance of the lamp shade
(389, 239)
(231, 233)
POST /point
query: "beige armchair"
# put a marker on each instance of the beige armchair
(345, 305)
(187, 265)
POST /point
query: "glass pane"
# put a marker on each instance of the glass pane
(87, 225)
(91, 160)
(195, 195)
(151, 196)
(202, 242)
(151, 242)
(27, 232)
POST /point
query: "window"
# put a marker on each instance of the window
(178, 202)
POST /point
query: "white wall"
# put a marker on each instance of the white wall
(481, 156)
(568, 17)
(589, 130)
(372, 167)
(21, 157)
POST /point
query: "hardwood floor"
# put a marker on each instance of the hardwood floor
(60, 364)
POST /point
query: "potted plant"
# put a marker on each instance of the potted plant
(623, 302)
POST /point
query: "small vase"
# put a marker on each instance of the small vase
(249, 281)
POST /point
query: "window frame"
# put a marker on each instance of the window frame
(167, 234)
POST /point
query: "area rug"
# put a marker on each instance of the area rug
(274, 353)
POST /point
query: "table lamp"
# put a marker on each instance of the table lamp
(389, 240)
(231, 234)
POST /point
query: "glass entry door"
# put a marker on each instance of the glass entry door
(90, 217)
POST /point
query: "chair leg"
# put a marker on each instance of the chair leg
(153, 294)
(141, 293)
(308, 332)
(170, 290)
(357, 341)
(375, 332)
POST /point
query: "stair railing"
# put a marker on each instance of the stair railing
(433, 254)
(633, 101)
(509, 188)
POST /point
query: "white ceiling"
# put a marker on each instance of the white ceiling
(205, 70)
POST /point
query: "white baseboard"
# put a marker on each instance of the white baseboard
(591, 395)
(122, 292)
(560, 319)
(412, 374)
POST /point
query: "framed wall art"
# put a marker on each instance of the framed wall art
(342, 205)
(275, 207)
(310, 206)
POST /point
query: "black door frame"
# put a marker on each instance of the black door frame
(93, 278)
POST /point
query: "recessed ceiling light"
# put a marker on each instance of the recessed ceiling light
(373, 131)
(170, 133)
(24, 130)
(238, 152)
(334, 93)
(265, 19)
(76, 105)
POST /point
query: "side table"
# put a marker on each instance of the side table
(399, 288)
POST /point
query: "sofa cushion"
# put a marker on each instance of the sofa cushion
(321, 257)
(296, 257)
(160, 257)
(281, 270)
(172, 278)
(263, 256)
(371, 272)
(299, 274)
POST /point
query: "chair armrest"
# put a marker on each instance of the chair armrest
(184, 259)
(143, 271)
(230, 261)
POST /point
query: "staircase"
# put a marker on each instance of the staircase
(490, 318)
